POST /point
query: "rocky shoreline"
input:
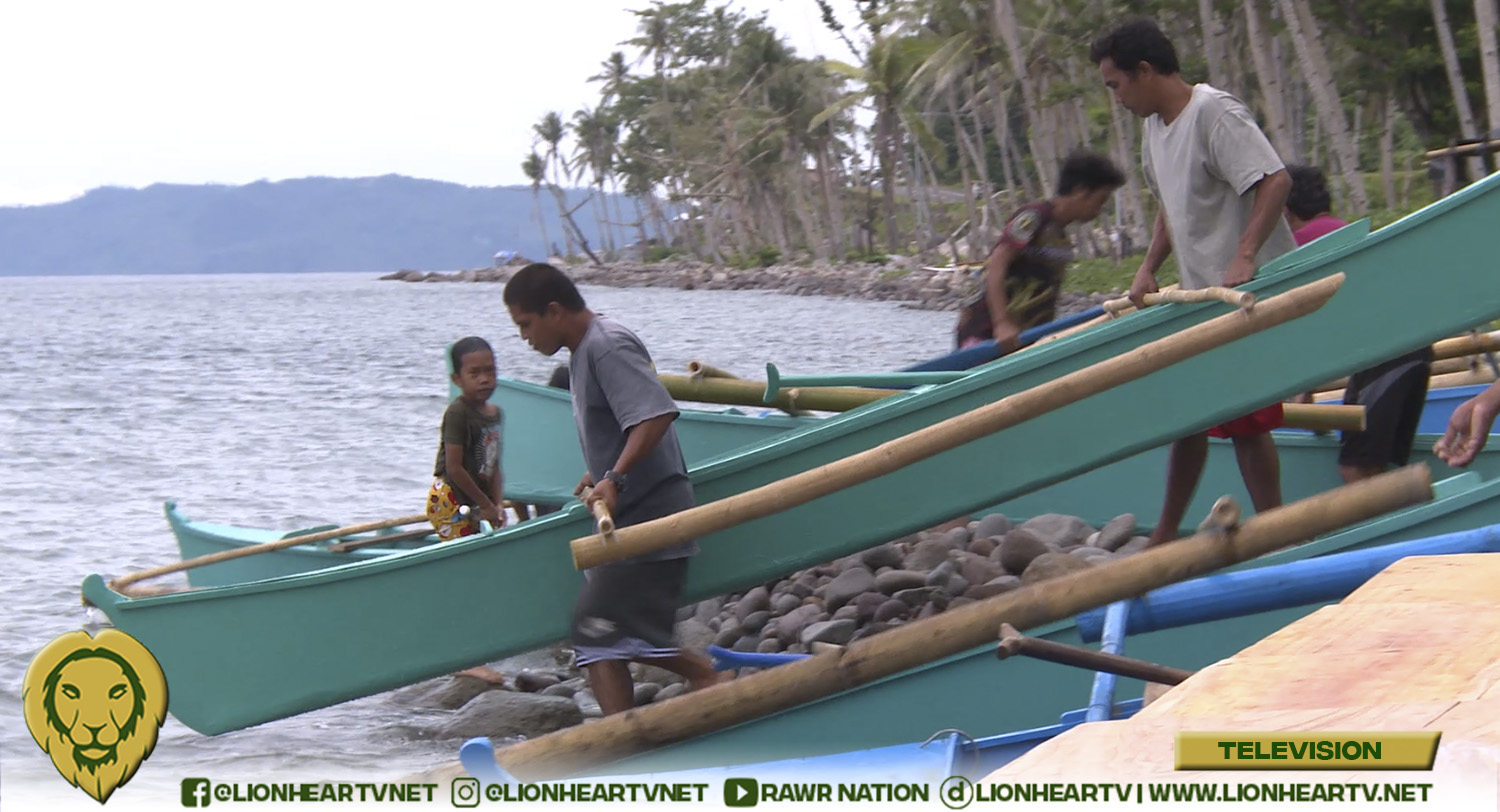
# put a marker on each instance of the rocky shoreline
(898, 280)
(832, 604)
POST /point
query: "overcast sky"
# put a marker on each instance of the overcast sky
(211, 91)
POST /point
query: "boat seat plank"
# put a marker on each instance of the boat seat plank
(1412, 649)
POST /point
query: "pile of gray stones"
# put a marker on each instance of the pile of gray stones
(836, 603)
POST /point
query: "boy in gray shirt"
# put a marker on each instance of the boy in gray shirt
(1221, 189)
(626, 609)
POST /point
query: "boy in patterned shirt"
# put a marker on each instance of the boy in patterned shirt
(1024, 273)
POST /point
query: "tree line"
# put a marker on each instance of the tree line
(732, 147)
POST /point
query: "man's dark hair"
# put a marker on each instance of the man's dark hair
(1309, 195)
(538, 285)
(1089, 171)
(1134, 42)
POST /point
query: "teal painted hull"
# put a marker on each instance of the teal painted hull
(240, 655)
(979, 694)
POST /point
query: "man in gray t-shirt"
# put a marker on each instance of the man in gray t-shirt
(1221, 189)
(626, 610)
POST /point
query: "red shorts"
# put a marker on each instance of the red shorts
(1259, 421)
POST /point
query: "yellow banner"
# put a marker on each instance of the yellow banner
(1322, 750)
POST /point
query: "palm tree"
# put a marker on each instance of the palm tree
(536, 171)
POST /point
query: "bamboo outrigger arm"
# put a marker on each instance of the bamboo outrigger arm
(806, 486)
(698, 371)
(570, 751)
(1013, 643)
(1239, 298)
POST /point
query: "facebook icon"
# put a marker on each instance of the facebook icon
(195, 791)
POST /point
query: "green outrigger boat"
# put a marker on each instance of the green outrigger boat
(1309, 466)
(244, 654)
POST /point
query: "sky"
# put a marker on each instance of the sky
(223, 91)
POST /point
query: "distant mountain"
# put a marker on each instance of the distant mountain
(311, 224)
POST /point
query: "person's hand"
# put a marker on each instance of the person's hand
(605, 492)
(494, 514)
(1144, 283)
(1007, 335)
(586, 482)
(1305, 397)
(1241, 270)
(1468, 430)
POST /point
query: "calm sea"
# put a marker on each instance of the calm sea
(282, 401)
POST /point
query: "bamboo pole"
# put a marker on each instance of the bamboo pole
(123, 581)
(576, 749)
(1439, 367)
(1123, 307)
(1239, 298)
(1472, 344)
(1477, 377)
(1323, 417)
(955, 431)
(605, 522)
(699, 370)
(734, 391)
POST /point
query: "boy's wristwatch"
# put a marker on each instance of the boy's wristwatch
(617, 478)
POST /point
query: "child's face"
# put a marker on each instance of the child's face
(476, 375)
(1092, 202)
(543, 331)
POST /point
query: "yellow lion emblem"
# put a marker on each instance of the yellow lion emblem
(95, 705)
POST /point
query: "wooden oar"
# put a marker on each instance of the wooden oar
(123, 581)
(346, 546)
(953, 432)
(788, 686)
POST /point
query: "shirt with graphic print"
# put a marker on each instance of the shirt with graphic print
(480, 437)
(1040, 256)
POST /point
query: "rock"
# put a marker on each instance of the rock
(587, 704)
(564, 689)
(788, 626)
(1057, 530)
(928, 554)
(847, 612)
(1051, 565)
(867, 631)
(645, 672)
(1017, 550)
(447, 693)
(728, 633)
(1135, 545)
(1116, 532)
(829, 631)
(889, 583)
(694, 635)
(955, 585)
(940, 574)
(784, 603)
(892, 610)
(531, 681)
(995, 524)
(846, 587)
(670, 691)
(999, 586)
(866, 605)
(645, 692)
(756, 600)
(755, 622)
(960, 601)
(957, 538)
(983, 546)
(745, 644)
(803, 585)
(886, 555)
(916, 597)
(769, 646)
(978, 570)
(1088, 553)
(707, 610)
(505, 714)
(928, 610)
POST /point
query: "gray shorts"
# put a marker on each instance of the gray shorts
(627, 610)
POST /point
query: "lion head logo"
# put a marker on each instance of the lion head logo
(95, 705)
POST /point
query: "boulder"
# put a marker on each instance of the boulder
(1057, 530)
(1052, 565)
(1017, 550)
(506, 715)
(1116, 532)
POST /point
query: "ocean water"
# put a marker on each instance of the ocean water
(282, 401)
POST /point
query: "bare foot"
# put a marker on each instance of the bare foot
(483, 673)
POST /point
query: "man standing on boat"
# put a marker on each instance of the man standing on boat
(1024, 273)
(1221, 189)
(1393, 392)
(627, 609)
